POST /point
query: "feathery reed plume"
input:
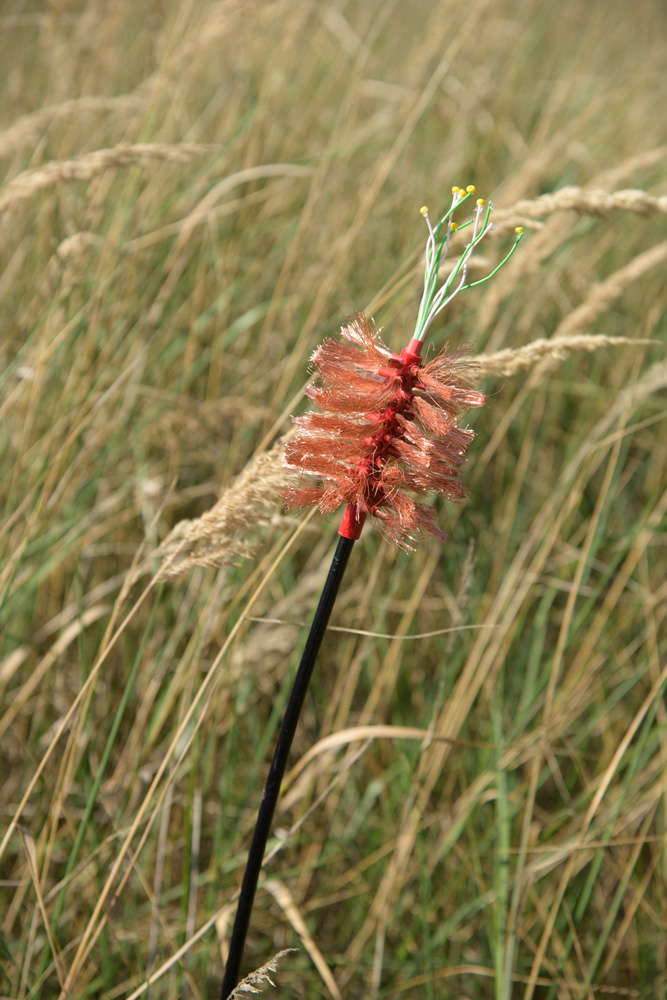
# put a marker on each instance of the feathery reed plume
(513, 360)
(601, 295)
(89, 165)
(258, 980)
(32, 126)
(220, 536)
(591, 201)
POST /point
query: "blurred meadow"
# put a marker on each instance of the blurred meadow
(193, 195)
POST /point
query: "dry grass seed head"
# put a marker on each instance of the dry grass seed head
(90, 165)
(222, 534)
(258, 980)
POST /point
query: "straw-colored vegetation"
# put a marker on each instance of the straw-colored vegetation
(193, 196)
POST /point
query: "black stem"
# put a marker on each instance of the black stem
(279, 762)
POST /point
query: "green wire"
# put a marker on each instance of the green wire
(427, 311)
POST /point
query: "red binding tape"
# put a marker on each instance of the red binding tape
(413, 350)
(352, 523)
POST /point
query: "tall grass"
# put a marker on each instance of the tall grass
(193, 195)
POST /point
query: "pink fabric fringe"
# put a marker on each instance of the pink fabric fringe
(367, 448)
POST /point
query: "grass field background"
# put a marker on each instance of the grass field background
(193, 196)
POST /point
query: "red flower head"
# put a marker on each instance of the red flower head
(389, 427)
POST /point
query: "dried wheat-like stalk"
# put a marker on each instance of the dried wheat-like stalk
(203, 210)
(69, 260)
(220, 536)
(218, 21)
(89, 165)
(592, 201)
(30, 127)
(603, 294)
(258, 980)
(514, 360)
(614, 176)
(654, 380)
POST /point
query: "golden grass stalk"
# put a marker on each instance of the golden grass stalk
(219, 536)
(605, 292)
(258, 980)
(645, 159)
(585, 201)
(591, 201)
(29, 127)
(89, 165)
(518, 359)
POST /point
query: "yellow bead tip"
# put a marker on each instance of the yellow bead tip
(480, 203)
(471, 189)
(424, 210)
(518, 230)
(453, 226)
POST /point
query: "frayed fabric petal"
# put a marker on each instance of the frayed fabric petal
(389, 427)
